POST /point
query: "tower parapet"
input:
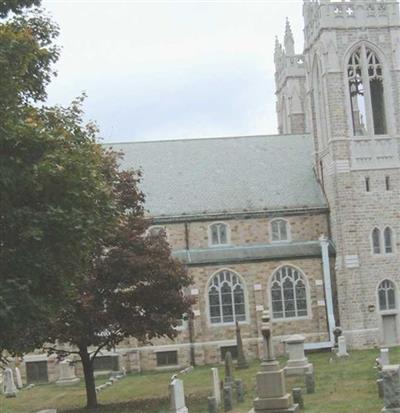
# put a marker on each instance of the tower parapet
(327, 14)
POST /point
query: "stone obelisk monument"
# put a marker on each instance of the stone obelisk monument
(271, 387)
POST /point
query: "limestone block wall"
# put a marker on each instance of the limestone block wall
(251, 231)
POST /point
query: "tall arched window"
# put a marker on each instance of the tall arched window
(376, 241)
(218, 234)
(367, 98)
(288, 293)
(387, 295)
(226, 298)
(279, 230)
(388, 239)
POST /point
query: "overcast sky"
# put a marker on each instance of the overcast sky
(172, 69)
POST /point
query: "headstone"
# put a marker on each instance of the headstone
(298, 397)
(241, 361)
(228, 398)
(177, 397)
(271, 387)
(18, 378)
(9, 388)
(342, 347)
(384, 357)
(391, 388)
(48, 411)
(212, 405)
(228, 368)
(310, 382)
(379, 383)
(216, 390)
(239, 390)
(67, 374)
(297, 364)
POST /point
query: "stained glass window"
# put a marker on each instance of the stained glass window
(219, 234)
(288, 293)
(279, 229)
(387, 295)
(226, 298)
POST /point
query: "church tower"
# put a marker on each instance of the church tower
(352, 61)
(290, 79)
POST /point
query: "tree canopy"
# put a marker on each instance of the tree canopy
(77, 264)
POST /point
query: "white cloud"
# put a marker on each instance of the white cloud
(172, 69)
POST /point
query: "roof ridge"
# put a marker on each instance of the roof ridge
(205, 139)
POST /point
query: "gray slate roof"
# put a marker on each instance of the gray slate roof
(225, 175)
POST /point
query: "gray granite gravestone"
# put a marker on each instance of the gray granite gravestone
(271, 387)
(391, 388)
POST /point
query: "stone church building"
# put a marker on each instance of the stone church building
(304, 222)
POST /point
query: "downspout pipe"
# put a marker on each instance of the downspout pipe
(324, 242)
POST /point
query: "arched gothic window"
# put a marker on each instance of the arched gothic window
(367, 99)
(388, 239)
(279, 230)
(376, 241)
(288, 293)
(387, 295)
(218, 233)
(226, 298)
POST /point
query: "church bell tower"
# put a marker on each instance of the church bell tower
(352, 64)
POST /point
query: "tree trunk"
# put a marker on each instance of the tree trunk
(87, 364)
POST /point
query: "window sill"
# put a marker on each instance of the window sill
(389, 312)
(219, 245)
(291, 319)
(228, 324)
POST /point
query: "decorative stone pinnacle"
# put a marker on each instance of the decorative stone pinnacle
(289, 39)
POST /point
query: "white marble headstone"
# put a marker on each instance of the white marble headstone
(384, 357)
(216, 385)
(9, 388)
(177, 397)
(342, 347)
(67, 374)
(18, 378)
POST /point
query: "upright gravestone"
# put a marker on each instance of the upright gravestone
(67, 374)
(271, 387)
(384, 357)
(342, 347)
(212, 405)
(241, 361)
(298, 397)
(216, 389)
(9, 388)
(177, 397)
(297, 364)
(228, 398)
(310, 382)
(18, 378)
(239, 390)
(391, 388)
(379, 384)
(228, 369)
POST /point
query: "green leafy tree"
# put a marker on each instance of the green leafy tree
(132, 289)
(53, 184)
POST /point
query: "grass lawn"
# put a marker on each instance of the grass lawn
(347, 386)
